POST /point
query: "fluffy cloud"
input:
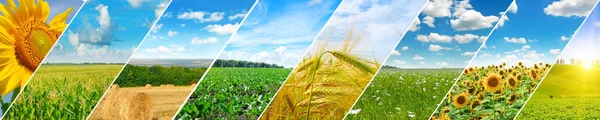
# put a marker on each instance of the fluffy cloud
(597, 24)
(202, 16)
(564, 38)
(314, 2)
(555, 51)
(472, 20)
(172, 33)
(438, 8)
(466, 38)
(281, 55)
(197, 40)
(104, 18)
(135, 3)
(236, 16)
(513, 7)
(415, 25)
(442, 64)
(468, 53)
(404, 48)
(399, 62)
(516, 40)
(525, 47)
(164, 49)
(434, 37)
(503, 19)
(160, 8)
(436, 48)
(417, 57)
(428, 20)
(533, 55)
(223, 29)
(568, 8)
(157, 27)
(395, 52)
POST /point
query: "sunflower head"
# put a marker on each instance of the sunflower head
(533, 74)
(461, 100)
(474, 104)
(446, 109)
(520, 64)
(493, 82)
(512, 82)
(511, 99)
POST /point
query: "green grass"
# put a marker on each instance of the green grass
(63, 92)
(404, 93)
(233, 93)
(567, 92)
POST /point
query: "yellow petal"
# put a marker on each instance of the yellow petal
(6, 38)
(61, 18)
(13, 82)
(43, 10)
(11, 4)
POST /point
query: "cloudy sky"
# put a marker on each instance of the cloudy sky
(447, 33)
(106, 31)
(279, 31)
(381, 23)
(194, 29)
(586, 41)
(536, 32)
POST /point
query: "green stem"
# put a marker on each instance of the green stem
(314, 74)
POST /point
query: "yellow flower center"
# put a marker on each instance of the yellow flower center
(33, 41)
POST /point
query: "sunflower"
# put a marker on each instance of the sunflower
(512, 82)
(25, 39)
(533, 74)
(493, 82)
(511, 99)
(446, 109)
(520, 64)
(461, 100)
(474, 104)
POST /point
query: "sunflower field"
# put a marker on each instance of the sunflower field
(491, 92)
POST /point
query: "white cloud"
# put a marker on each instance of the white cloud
(417, 57)
(236, 16)
(182, 25)
(482, 39)
(160, 8)
(520, 40)
(421, 62)
(135, 3)
(513, 7)
(466, 38)
(533, 55)
(164, 49)
(442, 64)
(399, 62)
(434, 37)
(223, 29)
(172, 33)
(156, 28)
(404, 48)
(555, 51)
(511, 57)
(281, 56)
(503, 19)
(468, 53)
(438, 8)
(314, 2)
(597, 24)
(429, 21)
(104, 18)
(395, 52)
(436, 48)
(197, 40)
(568, 8)
(73, 38)
(472, 20)
(415, 25)
(202, 16)
(564, 38)
(525, 47)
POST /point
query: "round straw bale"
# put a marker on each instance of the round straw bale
(127, 105)
(115, 87)
(148, 86)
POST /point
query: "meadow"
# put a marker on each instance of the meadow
(567, 92)
(491, 92)
(165, 100)
(63, 92)
(403, 94)
(233, 93)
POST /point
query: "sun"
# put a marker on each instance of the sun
(25, 39)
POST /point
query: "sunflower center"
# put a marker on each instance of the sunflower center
(511, 81)
(34, 40)
(461, 99)
(493, 82)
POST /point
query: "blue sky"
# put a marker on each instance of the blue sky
(106, 31)
(194, 29)
(279, 31)
(537, 32)
(585, 43)
(380, 23)
(447, 33)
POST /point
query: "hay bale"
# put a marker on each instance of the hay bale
(148, 86)
(115, 87)
(163, 86)
(127, 105)
(170, 85)
(193, 84)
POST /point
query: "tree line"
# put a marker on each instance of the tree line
(238, 63)
(135, 76)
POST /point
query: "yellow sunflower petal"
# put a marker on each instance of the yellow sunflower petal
(6, 38)
(43, 10)
(9, 84)
(11, 4)
(6, 23)
(61, 18)
(26, 76)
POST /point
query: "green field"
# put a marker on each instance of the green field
(63, 92)
(567, 92)
(233, 93)
(404, 94)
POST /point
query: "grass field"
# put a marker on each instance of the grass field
(404, 94)
(63, 92)
(165, 101)
(233, 93)
(567, 92)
